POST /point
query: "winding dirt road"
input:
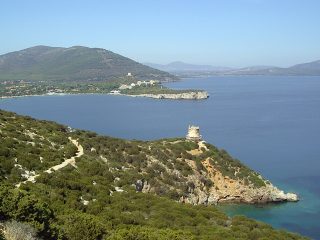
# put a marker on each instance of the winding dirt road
(66, 162)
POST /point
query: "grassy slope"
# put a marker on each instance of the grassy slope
(54, 206)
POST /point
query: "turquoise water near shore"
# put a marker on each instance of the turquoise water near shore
(271, 124)
(299, 217)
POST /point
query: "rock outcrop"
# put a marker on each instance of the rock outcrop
(223, 189)
(227, 190)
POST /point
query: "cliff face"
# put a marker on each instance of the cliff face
(226, 189)
(223, 188)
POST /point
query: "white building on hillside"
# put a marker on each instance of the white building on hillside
(193, 133)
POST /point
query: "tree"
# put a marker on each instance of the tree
(24, 207)
(83, 226)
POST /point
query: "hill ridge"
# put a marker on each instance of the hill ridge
(76, 63)
(182, 69)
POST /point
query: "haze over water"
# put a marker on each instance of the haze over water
(270, 123)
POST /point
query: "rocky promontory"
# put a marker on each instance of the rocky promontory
(60, 181)
(217, 178)
(227, 190)
(196, 95)
(184, 169)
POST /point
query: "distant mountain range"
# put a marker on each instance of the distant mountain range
(83, 64)
(311, 68)
(185, 69)
(77, 64)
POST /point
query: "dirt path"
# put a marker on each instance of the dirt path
(199, 150)
(202, 144)
(71, 161)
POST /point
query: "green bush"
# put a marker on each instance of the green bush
(82, 226)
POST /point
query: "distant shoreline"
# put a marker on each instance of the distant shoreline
(196, 95)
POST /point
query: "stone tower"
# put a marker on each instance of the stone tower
(193, 133)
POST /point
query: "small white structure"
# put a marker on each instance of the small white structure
(193, 133)
(129, 74)
(114, 92)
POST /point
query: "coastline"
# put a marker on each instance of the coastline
(275, 214)
(174, 96)
(196, 95)
(44, 95)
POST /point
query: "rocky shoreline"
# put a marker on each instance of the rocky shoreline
(268, 194)
(225, 189)
(243, 194)
(177, 96)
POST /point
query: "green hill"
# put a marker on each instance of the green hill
(74, 64)
(72, 184)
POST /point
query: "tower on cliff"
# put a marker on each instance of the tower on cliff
(193, 133)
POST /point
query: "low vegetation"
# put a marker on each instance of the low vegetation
(13, 230)
(156, 89)
(27, 88)
(23, 88)
(100, 198)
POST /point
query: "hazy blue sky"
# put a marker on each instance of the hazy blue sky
(225, 32)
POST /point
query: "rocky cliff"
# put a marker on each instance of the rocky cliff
(222, 188)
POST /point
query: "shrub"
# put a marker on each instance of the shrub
(14, 230)
(148, 233)
(83, 226)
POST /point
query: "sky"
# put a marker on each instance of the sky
(234, 33)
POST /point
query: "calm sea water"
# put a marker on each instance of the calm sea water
(272, 124)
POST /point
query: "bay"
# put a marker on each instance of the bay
(271, 124)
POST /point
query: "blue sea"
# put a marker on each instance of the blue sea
(270, 123)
